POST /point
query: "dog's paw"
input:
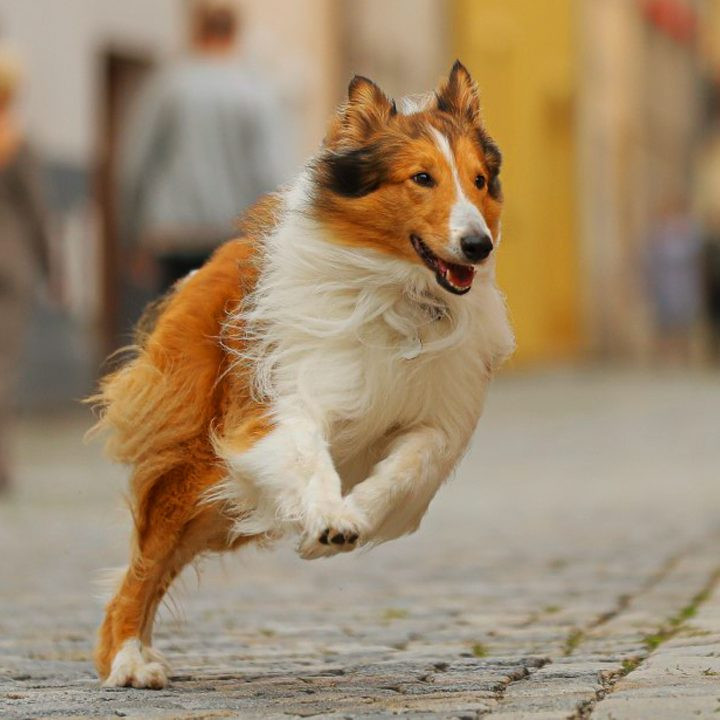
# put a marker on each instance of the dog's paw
(151, 655)
(330, 532)
(133, 667)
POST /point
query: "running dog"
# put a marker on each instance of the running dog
(323, 373)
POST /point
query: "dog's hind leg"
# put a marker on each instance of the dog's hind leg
(172, 526)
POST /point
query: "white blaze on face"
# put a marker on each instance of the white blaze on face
(465, 218)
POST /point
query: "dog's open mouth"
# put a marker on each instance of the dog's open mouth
(454, 277)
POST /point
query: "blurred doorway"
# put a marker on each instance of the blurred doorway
(123, 72)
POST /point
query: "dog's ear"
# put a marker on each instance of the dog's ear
(367, 109)
(458, 94)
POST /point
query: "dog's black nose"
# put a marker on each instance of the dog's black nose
(476, 247)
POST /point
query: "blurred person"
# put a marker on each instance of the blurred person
(23, 240)
(709, 212)
(674, 279)
(202, 144)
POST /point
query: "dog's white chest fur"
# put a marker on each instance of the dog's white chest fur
(393, 379)
(351, 350)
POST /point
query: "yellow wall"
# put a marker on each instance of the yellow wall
(522, 54)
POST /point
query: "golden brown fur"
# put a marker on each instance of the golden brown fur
(160, 407)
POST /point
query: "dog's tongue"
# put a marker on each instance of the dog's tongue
(460, 276)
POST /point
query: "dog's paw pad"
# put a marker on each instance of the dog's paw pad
(347, 537)
(335, 535)
(337, 540)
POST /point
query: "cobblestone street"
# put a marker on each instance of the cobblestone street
(569, 570)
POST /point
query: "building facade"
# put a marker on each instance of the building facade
(594, 104)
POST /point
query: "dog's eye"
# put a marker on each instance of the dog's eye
(480, 182)
(423, 179)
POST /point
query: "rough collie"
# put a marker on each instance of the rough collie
(322, 374)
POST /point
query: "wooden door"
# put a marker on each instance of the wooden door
(523, 55)
(122, 74)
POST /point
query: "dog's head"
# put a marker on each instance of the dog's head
(420, 182)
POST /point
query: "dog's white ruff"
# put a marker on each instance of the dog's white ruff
(363, 436)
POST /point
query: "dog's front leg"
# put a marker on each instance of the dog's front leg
(396, 495)
(295, 484)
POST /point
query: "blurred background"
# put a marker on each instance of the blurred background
(608, 114)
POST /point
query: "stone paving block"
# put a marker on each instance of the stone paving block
(653, 708)
(530, 715)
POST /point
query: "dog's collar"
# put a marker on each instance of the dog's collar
(413, 348)
(434, 312)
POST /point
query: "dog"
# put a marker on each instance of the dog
(322, 374)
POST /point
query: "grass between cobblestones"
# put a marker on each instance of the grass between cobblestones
(675, 623)
(671, 627)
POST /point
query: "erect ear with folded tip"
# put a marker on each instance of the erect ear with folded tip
(458, 94)
(367, 109)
